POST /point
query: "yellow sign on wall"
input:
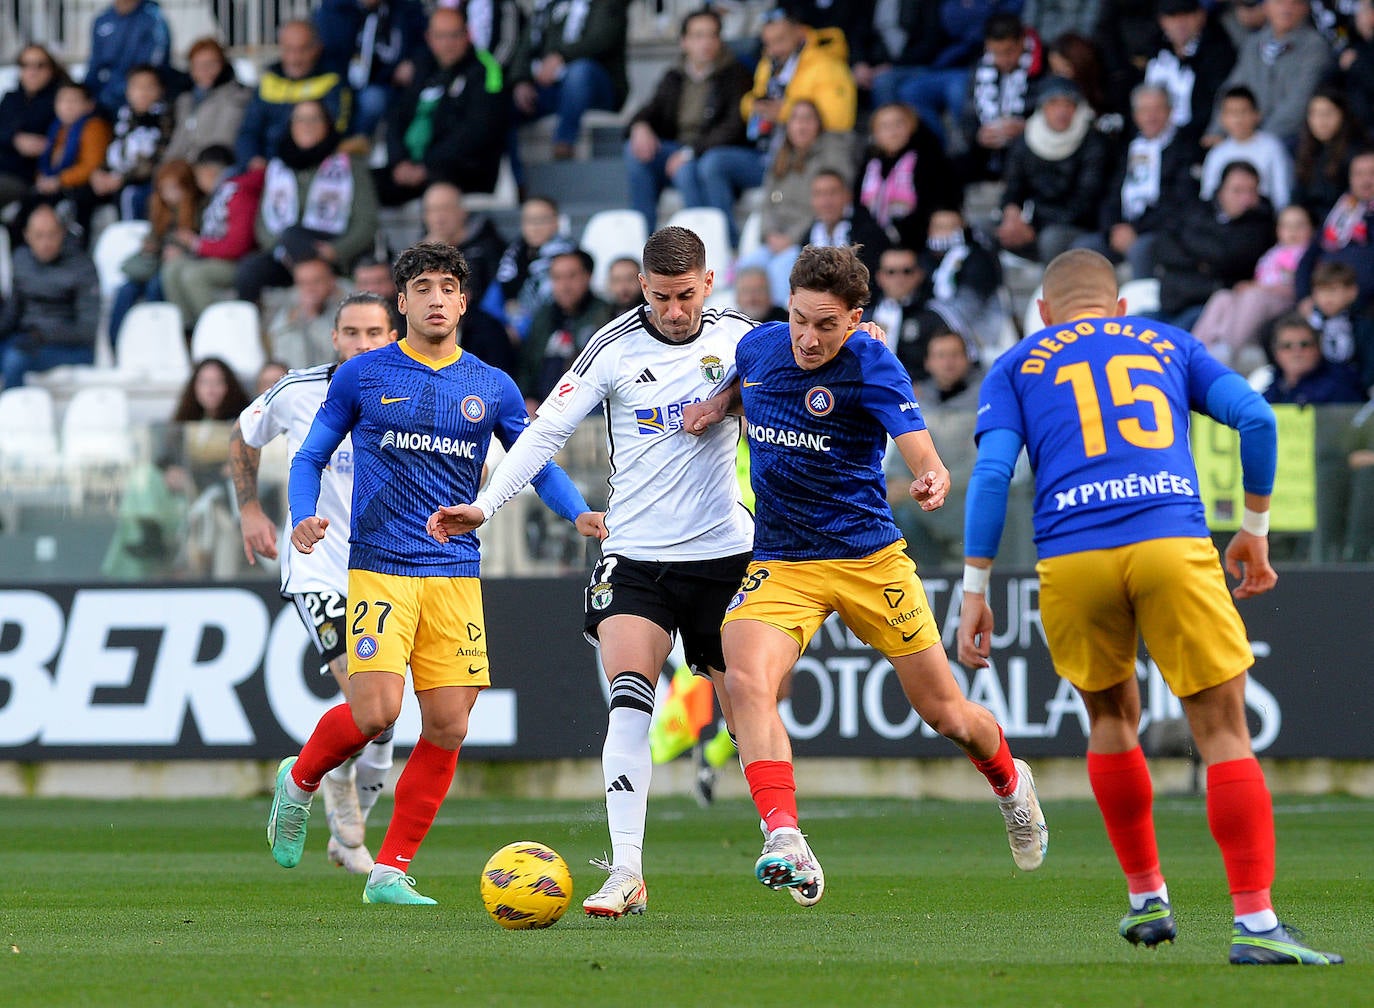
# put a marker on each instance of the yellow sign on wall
(1216, 448)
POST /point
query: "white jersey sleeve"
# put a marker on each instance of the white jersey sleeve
(289, 408)
(582, 388)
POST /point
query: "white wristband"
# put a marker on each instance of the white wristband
(1255, 522)
(976, 579)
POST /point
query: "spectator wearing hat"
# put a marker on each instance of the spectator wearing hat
(1056, 175)
(1281, 64)
(1153, 181)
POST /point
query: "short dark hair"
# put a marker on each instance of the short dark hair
(1003, 26)
(1333, 273)
(1239, 91)
(216, 154)
(702, 12)
(72, 85)
(581, 255)
(1244, 167)
(430, 257)
(836, 270)
(674, 250)
(365, 298)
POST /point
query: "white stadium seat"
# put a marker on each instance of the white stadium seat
(116, 243)
(28, 430)
(152, 344)
(231, 331)
(609, 235)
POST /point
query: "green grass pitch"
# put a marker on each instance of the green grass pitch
(179, 903)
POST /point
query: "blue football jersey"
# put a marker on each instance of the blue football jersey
(816, 445)
(1103, 405)
(421, 431)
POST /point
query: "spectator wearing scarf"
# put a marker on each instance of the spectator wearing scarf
(317, 202)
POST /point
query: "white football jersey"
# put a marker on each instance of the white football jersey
(673, 496)
(289, 408)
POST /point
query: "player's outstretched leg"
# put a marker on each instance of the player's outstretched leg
(290, 814)
(1279, 946)
(341, 810)
(623, 893)
(787, 862)
(1151, 924)
(1027, 833)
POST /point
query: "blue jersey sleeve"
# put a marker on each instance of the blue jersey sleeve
(985, 506)
(551, 483)
(1232, 401)
(336, 417)
(887, 393)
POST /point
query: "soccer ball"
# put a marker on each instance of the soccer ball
(526, 885)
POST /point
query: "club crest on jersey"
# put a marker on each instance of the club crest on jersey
(819, 401)
(712, 370)
(329, 636)
(601, 595)
(474, 408)
(365, 647)
(736, 602)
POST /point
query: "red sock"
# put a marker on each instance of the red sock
(1121, 784)
(998, 768)
(774, 788)
(335, 738)
(1241, 816)
(421, 789)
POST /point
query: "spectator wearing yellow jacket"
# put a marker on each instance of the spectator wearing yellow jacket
(799, 64)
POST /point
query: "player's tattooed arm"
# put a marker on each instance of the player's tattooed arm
(259, 533)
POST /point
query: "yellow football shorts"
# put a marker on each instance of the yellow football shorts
(879, 597)
(433, 624)
(1095, 605)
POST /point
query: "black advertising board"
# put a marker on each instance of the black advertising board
(226, 671)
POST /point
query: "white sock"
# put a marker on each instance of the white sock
(297, 793)
(627, 768)
(380, 873)
(1138, 899)
(374, 764)
(1264, 920)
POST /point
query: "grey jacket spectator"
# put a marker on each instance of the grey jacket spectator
(1282, 68)
(1052, 18)
(787, 186)
(52, 313)
(210, 113)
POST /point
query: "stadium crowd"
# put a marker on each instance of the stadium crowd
(1216, 151)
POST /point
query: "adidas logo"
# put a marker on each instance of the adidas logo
(621, 783)
(644, 377)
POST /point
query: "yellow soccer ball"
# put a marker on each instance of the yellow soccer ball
(526, 885)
